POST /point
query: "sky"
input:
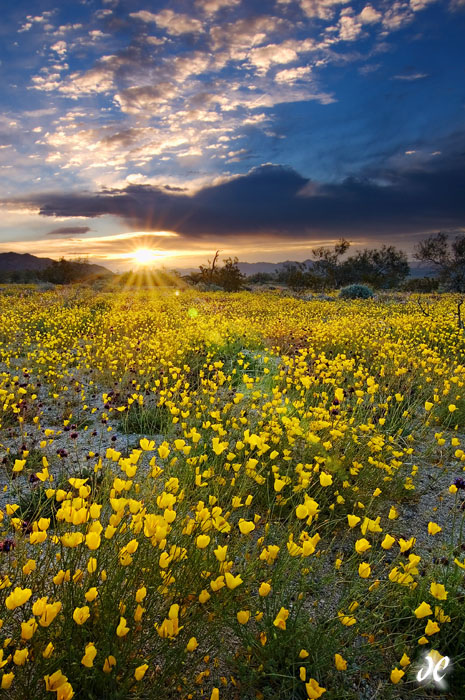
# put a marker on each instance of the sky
(259, 128)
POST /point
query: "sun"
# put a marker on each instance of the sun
(144, 256)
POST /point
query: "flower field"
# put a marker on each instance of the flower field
(230, 496)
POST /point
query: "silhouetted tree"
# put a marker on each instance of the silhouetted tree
(229, 277)
(64, 271)
(208, 274)
(385, 267)
(447, 257)
(326, 268)
(59, 272)
(294, 275)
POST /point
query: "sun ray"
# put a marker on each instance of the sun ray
(148, 273)
(145, 256)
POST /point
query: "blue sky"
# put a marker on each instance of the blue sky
(260, 128)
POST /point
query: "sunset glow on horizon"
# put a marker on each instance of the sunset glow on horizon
(145, 256)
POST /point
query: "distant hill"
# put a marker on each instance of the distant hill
(421, 269)
(12, 262)
(252, 268)
(417, 269)
(20, 262)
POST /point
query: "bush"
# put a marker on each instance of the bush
(229, 277)
(356, 291)
(421, 284)
(261, 278)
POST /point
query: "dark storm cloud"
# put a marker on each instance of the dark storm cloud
(276, 200)
(69, 230)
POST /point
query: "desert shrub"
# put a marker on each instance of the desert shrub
(356, 291)
(421, 284)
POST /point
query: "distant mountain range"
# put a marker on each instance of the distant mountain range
(253, 268)
(19, 262)
(417, 269)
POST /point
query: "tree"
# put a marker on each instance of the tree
(447, 257)
(293, 275)
(59, 272)
(64, 271)
(323, 272)
(208, 274)
(385, 267)
(326, 268)
(229, 276)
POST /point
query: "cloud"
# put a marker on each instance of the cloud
(410, 76)
(38, 19)
(63, 28)
(174, 23)
(60, 48)
(288, 51)
(418, 5)
(401, 13)
(155, 40)
(266, 56)
(421, 195)
(397, 16)
(69, 231)
(98, 79)
(144, 16)
(211, 7)
(349, 26)
(95, 34)
(176, 107)
(145, 98)
(290, 75)
(323, 9)
(245, 33)
(369, 15)
(37, 113)
(369, 68)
